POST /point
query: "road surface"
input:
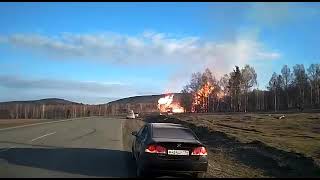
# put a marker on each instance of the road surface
(84, 147)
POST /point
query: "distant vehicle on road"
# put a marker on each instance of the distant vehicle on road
(168, 147)
(131, 115)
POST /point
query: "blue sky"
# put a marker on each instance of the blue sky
(97, 52)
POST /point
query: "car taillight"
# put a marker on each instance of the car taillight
(199, 151)
(156, 149)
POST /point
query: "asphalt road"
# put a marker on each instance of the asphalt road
(84, 147)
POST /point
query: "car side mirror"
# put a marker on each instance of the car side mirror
(134, 133)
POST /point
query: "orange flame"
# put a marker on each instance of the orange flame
(166, 104)
(201, 97)
(220, 94)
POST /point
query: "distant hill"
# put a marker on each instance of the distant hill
(48, 101)
(138, 99)
(140, 104)
(61, 108)
(131, 100)
(144, 99)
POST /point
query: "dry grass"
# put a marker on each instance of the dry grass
(256, 145)
(298, 133)
(223, 166)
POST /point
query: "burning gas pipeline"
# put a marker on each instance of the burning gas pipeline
(167, 105)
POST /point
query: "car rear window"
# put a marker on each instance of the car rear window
(172, 133)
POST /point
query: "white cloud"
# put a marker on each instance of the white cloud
(189, 53)
(270, 56)
(133, 49)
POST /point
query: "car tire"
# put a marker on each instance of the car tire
(199, 175)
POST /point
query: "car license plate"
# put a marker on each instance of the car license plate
(178, 152)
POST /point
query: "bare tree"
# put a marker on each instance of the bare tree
(300, 80)
(318, 83)
(234, 85)
(186, 99)
(274, 87)
(224, 85)
(314, 77)
(287, 77)
(196, 82)
(249, 79)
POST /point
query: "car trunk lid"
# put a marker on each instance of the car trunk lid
(178, 144)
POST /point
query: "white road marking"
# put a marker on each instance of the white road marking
(42, 136)
(3, 150)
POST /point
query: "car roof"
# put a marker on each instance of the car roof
(166, 125)
(170, 126)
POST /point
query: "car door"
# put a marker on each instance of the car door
(140, 140)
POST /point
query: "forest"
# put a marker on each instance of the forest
(296, 89)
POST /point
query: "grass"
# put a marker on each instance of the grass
(223, 166)
(299, 133)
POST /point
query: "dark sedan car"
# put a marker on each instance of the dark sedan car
(168, 147)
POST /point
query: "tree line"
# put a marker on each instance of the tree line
(51, 111)
(293, 89)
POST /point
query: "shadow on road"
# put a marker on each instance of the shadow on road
(90, 162)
